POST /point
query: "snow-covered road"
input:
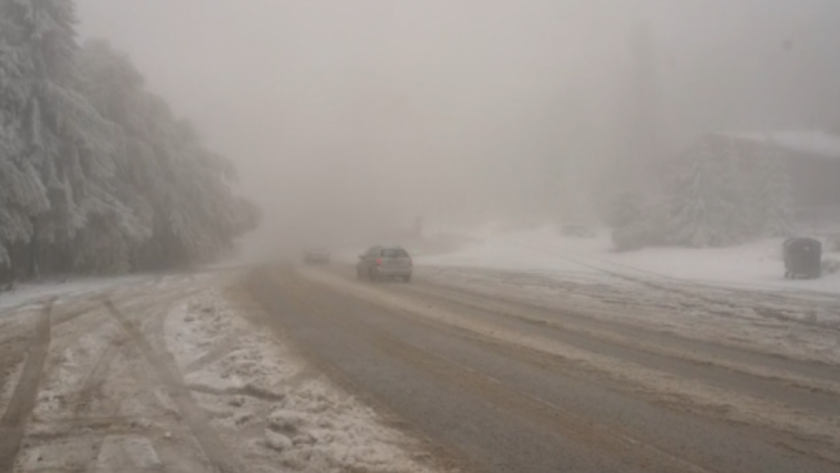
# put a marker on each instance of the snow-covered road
(525, 372)
(799, 325)
(470, 368)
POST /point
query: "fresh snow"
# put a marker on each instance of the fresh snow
(757, 265)
(737, 295)
(30, 293)
(267, 405)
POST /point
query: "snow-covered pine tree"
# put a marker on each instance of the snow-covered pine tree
(708, 195)
(773, 193)
(695, 199)
(22, 193)
(690, 223)
(177, 188)
(733, 182)
(751, 215)
(93, 168)
(65, 136)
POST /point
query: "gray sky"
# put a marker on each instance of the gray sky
(367, 111)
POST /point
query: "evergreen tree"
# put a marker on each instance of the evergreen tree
(733, 179)
(66, 141)
(180, 193)
(21, 191)
(704, 202)
(724, 193)
(773, 194)
(96, 173)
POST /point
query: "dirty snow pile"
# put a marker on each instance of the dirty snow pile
(274, 409)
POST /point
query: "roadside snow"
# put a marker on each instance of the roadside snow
(798, 327)
(274, 408)
(31, 293)
(731, 295)
(756, 265)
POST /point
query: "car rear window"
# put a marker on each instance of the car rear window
(394, 253)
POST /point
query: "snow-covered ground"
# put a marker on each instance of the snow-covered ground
(735, 296)
(29, 293)
(755, 265)
(176, 373)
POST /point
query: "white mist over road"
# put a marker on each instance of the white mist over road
(358, 117)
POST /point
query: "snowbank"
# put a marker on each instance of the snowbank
(276, 409)
(30, 293)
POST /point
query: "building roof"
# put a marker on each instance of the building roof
(815, 143)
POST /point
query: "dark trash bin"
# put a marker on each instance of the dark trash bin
(802, 258)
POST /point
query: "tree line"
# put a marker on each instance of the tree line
(721, 191)
(97, 175)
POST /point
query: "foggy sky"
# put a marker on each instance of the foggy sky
(365, 114)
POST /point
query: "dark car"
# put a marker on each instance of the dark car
(316, 256)
(385, 262)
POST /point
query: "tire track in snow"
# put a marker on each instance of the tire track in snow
(803, 340)
(814, 389)
(96, 377)
(818, 431)
(209, 442)
(260, 289)
(20, 407)
(557, 418)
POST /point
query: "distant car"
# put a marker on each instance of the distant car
(316, 256)
(385, 262)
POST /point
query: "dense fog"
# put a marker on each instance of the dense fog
(348, 120)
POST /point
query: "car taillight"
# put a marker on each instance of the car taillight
(379, 261)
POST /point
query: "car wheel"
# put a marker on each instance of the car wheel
(372, 276)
